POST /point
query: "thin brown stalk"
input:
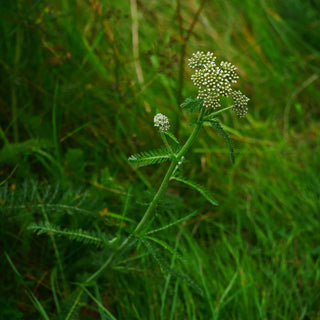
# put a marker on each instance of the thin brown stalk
(183, 41)
(135, 41)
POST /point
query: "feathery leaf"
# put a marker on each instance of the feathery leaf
(206, 194)
(85, 237)
(217, 125)
(192, 104)
(149, 157)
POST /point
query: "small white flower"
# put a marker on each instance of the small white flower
(161, 121)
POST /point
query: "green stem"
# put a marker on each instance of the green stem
(193, 135)
(212, 115)
(155, 199)
(165, 141)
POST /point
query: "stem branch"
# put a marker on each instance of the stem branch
(165, 141)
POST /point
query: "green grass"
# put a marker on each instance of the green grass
(73, 109)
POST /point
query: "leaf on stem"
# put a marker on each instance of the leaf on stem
(192, 104)
(85, 237)
(205, 193)
(149, 157)
(170, 135)
(225, 135)
(173, 223)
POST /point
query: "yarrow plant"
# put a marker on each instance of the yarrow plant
(213, 82)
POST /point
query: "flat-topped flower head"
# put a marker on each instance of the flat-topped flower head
(240, 102)
(162, 122)
(214, 81)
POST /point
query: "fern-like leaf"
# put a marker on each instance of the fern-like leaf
(31, 197)
(205, 193)
(149, 157)
(192, 104)
(80, 235)
(217, 125)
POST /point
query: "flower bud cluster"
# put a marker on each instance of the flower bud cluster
(214, 81)
(181, 161)
(240, 103)
(210, 99)
(161, 121)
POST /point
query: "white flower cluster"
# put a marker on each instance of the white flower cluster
(161, 121)
(240, 103)
(212, 80)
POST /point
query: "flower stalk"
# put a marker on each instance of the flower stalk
(166, 143)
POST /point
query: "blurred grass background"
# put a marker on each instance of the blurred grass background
(80, 84)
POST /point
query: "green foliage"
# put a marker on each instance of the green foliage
(204, 192)
(172, 224)
(149, 157)
(166, 268)
(10, 153)
(85, 237)
(217, 125)
(105, 313)
(72, 306)
(192, 104)
(75, 160)
(32, 197)
(172, 137)
(38, 306)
